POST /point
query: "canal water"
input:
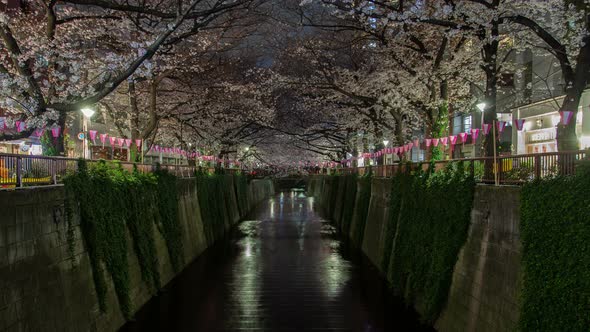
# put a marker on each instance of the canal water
(282, 269)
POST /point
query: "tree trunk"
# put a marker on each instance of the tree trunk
(60, 145)
(133, 121)
(566, 135)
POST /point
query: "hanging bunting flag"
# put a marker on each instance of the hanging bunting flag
(519, 124)
(444, 140)
(566, 117)
(128, 142)
(428, 141)
(474, 134)
(410, 145)
(120, 142)
(453, 139)
(55, 131)
(435, 141)
(39, 132)
(103, 138)
(138, 144)
(486, 128)
(417, 143)
(500, 125)
(92, 134)
(20, 126)
(395, 150)
(112, 141)
(463, 137)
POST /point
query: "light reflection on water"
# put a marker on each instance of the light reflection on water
(289, 271)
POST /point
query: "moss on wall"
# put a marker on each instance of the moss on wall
(361, 209)
(555, 230)
(434, 214)
(112, 201)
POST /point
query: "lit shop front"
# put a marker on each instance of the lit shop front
(540, 127)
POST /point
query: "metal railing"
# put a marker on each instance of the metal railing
(505, 169)
(24, 170)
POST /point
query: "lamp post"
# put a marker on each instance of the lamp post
(87, 114)
(385, 143)
(482, 107)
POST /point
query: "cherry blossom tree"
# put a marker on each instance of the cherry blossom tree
(87, 49)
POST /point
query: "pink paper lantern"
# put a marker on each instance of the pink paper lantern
(463, 137)
(55, 131)
(20, 126)
(453, 139)
(519, 124)
(92, 134)
(474, 134)
(500, 125)
(566, 117)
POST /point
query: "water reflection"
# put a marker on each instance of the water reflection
(286, 271)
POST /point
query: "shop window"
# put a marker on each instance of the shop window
(457, 125)
(467, 123)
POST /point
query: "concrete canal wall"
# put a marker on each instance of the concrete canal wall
(45, 285)
(486, 279)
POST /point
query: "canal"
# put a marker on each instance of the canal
(282, 269)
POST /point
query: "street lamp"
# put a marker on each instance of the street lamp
(481, 106)
(88, 113)
(385, 142)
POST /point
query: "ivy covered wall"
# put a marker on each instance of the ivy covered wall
(119, 210)
(555, 227)
(424, 227)
(433, 214)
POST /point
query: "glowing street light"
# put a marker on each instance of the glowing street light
(385, 142)
(481, 106)
(88, 112)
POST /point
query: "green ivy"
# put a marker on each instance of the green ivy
(440, 129)
(433, 215)
(48, 144)
(555, 231)
(215, 196)
(348, 206)
(112, 201)
(241, 187)
(168, 223)
(396, 198)
(361, 209)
